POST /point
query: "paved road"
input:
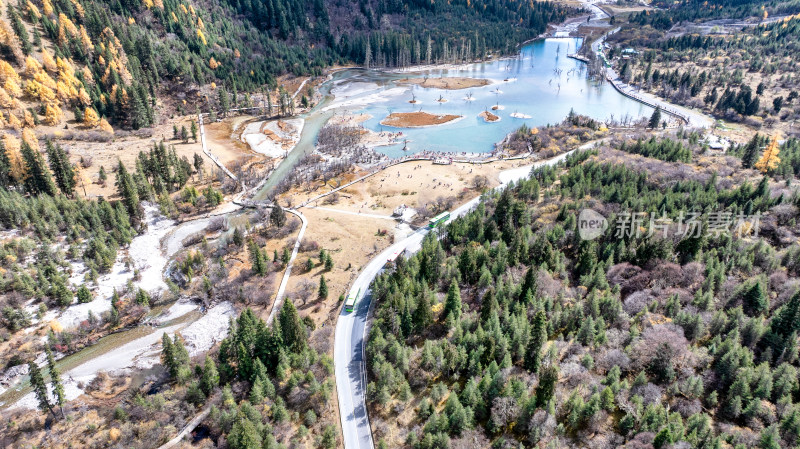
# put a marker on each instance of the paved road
(352, 327)
(278, 302)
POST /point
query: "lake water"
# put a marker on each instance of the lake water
(542, 82)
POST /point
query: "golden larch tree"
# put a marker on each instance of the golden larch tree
(16, 165)
(769, 160)
(90, 118)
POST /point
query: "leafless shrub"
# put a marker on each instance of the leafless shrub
(663, 341)
(309, 245)
(217, 224)
(637, 302)
(612, 358)
(650, 393)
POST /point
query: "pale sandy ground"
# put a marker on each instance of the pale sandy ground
(369, 138)
(272, 138)
(412, 184)
(450, 83)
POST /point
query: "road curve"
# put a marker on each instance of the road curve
(351, 327)
(276, 304)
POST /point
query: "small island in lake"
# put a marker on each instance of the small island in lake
(417, 119)
(454, 83)
(489, 117)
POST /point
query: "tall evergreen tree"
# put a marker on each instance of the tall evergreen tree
(547, 385)
(277, 217)
(323, 287)
(61, 168)
(533, 354)
(39, 388)
(55, 381)
(210, 379)
(452, 304)
(751, 150)
(292, 327)
(755, 299)
(423, 314)
(39, 180)
(257, 262)
(126, 189)
(655, 119)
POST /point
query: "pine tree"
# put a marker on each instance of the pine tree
(547, 384)
(755, 299)
(83, 295)
(39, 388)
(530, 283)
(258, 264)
(244, 434)
(533, 354)
(423, 314)
(61, 168)
(655, 119)
(292, 328)
(452, 304)
(167, 354)
(102, 176)
(323, 288)
(750, 154)
(126, 189)
(6, 180)
(55, 381)
(39, 180)
(277, 217)
(210, 379)
(193, 130)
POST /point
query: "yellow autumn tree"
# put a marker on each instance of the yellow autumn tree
(105, 126)
(87, 76)
(9, 39)
(7, 72)
(213, 63)
(52, 114)
(86, 41)
(32, 66)
(28, 119)
(39, 91)
(45, 80)
(13, 122)
(47, 7)
(16, 165)
(34, 10)
(8, 102)
(84, 97)
(90, 118)
(29, 137)
(202, 37)
(769, 160)
(78, 8)
(48, 61)
(12, 87)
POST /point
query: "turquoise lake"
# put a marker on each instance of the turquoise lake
(542, 82)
